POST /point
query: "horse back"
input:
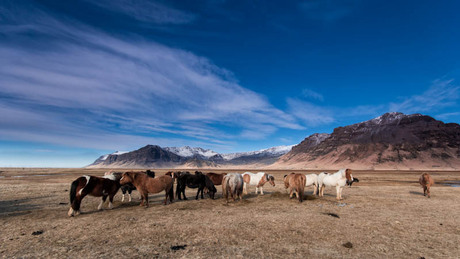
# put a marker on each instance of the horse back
(156, 185)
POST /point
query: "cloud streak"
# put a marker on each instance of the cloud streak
(146, 11)
(133, 91)
(441, 94)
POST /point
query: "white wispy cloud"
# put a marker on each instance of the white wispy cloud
(312, 94)
(441, 94)
(310, 114)
(448, 115)
(121, 89)
(147, 11)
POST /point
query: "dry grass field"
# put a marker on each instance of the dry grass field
(385, 215)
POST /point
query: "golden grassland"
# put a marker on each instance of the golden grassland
(384, 215)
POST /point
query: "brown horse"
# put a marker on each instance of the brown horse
(95, 186)
(296, 184)
(426, 181)
(216, 178)
(145, 185)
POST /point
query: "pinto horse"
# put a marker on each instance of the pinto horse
(232, 184)
(216, 178)
(104, 187)
(426, 181)
(312, 179)
(296, 184)
(258, 180)
(337, 180)
(198, 180)
(145, 185)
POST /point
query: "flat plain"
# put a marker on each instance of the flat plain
(385, 215)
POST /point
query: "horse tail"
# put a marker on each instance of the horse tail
(301, 186)
(73, 190)
(224, 187)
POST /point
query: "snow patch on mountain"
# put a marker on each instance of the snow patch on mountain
(273, 151)
(187, 151)
(116, 153)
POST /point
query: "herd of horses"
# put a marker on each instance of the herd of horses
(234, 185)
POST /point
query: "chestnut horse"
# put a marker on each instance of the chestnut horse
(129, 187)
(426, 181)
(145, 185)
(232, 184)
(296, 184)
(95, 186)
(258, 180)
(216, 178)
(337, 180)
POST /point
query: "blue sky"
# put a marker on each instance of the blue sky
(79, 79)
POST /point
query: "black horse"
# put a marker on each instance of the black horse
(198, 180)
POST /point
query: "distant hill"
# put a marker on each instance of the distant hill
(391, 141)
(152, 156)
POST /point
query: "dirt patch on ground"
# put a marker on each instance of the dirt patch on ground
(384, 215)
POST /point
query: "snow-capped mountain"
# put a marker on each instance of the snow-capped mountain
(272, 152)
(187, 151)
(155, 156)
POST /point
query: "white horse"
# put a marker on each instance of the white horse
(258, 180)
(312, 179)
(232, 185)
(338, 179)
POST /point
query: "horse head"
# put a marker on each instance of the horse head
(126, 177)
(348, 175)
(269, 178)
(150, 173)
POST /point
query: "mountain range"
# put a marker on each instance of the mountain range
(391, 141)
(153, 156)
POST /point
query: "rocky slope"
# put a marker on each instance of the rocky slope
(391, 141)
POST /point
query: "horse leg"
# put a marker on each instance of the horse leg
(102, 202)
(428, 191)
(261, 190)
(75, 206)
(123, 195)
(424, 190)
(111, 201)
(338, 192)
(290, 193)
(142, 197)
(147, 200)
(245, 188)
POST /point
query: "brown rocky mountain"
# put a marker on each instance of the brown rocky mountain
(391, 141)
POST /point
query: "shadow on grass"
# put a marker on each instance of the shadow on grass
(18, 207)
(416, 193)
